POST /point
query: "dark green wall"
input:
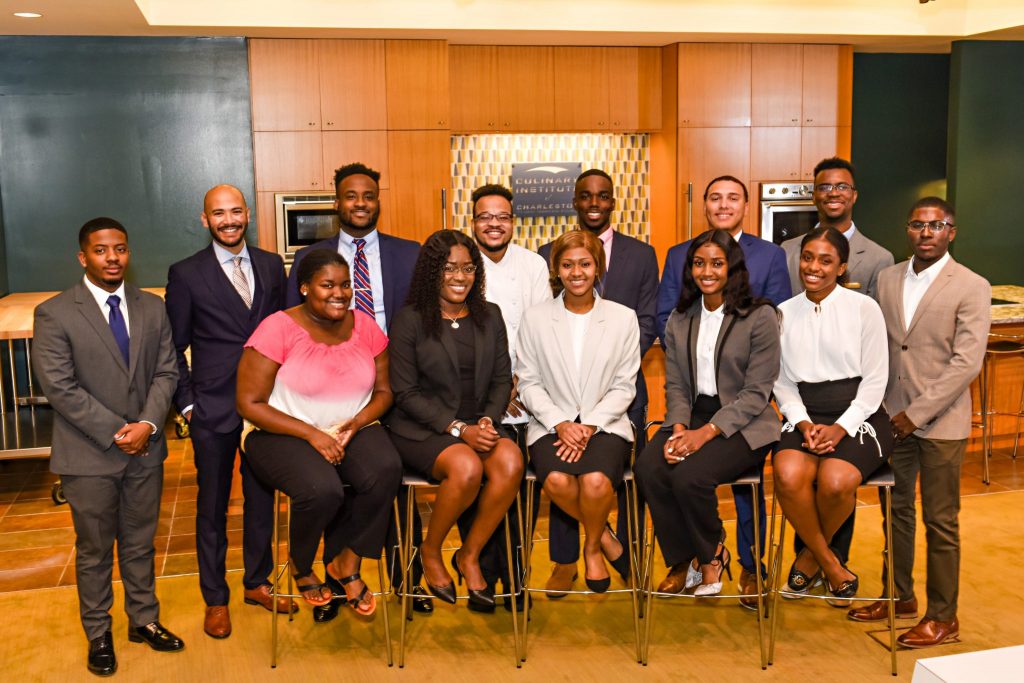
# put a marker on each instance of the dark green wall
(986, 156)
(133, 128)
(899, 139)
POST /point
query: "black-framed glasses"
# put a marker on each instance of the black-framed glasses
(934, 226)
(488, 217)
(451, 269)
(838, 187)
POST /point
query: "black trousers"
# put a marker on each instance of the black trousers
(214, 456)
(357, 519)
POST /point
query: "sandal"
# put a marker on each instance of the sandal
(356, 602)
(316, 588)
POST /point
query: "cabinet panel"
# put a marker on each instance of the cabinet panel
(581, 97)
(525, 79)
(705, 153)
(285, 85)
(819, 142)
(649, 88)
(345, 147)
(776, 85)
(827, 85)
(420, 168)
(288, 161)
(714, 85)
(266, 221)
(775, 153)
(417, 84)
(474, 107)
(350, 67)
(623, 88)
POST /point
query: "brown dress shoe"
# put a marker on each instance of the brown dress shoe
(561, 580)
(675, 582)
(218, 621)
(879, 611)
(930, 632)
(261, 596)
(748, 586)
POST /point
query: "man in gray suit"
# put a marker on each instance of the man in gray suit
(105, 361)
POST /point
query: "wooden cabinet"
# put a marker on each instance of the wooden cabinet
(819, 142)
(266, 221)
(288, 161)
(705, 153)
(352, 88)
(827, 85)
(284, 82)
(501, 89)
(714, 85)
(776, 88)
(344, 147)
(581, 91)
(775, 153)
(475, 88)
(420, 169)
(417, 84)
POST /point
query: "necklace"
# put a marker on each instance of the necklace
(455, 320)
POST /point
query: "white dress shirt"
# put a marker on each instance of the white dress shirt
(842, 337)
(372, 250)
(578, 324)
(916, 284)
(227, 263)
(707, 337)
(101, 300)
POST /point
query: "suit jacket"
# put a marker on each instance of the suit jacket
(747, 362)
(83, 375)
(867, 259)
(766, 264)
(424, 373)
(601, 392)
(207, 315)
(934, 358)
(397, 262)
(631, 281)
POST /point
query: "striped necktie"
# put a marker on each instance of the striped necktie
(361, 280)
(241, 282)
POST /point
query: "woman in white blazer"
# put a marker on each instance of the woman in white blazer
(578, 359)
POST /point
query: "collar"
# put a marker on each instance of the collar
(606, 236)
(372, 238)
(738, 235)
(225, 256)
(705, 313)
(848, 234)
(929, 273)
(101, 294)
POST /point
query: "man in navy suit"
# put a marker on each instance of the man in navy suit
(215, 299)
(725, 206)
(631, 279)
(389, 265)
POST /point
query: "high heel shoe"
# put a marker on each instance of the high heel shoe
(693, 575)
(479, 600)
(723, 559)
(442, 593)
(598, 585)
(620, 563)
(847, 589)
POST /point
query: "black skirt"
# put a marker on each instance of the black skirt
(420, 456)
(605, 453)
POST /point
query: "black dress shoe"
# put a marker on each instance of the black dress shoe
(157, 637)
(479, 600)
(421, 602)
(102, 661)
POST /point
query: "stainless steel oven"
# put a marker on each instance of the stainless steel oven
(304, 219)
(786, 210)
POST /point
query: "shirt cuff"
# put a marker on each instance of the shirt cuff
(851, 420)
(795, 414)
(187, 409)
(151, 425)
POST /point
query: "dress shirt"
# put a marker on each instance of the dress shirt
(707, 337)
(916, 284)
(101, 300)
(372, 251)
(848, 234)
(842, 337)
(578, 324)
(227, 263)
(606, 240)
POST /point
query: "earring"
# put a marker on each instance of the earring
(304, 292)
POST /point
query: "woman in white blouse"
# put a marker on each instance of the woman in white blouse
(578, 357)
(830, 388)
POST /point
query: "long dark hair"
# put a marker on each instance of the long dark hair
(425, 288)
(837, 240)
(738, 298)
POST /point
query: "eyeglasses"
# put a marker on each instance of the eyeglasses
(488, 217)
(450, 269)
(838, 187)
(934, 226)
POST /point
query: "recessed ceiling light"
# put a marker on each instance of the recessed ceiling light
(28, 15)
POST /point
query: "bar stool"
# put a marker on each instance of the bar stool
(883, 478)
(286, 570)
(1005, 346)
(407, 553)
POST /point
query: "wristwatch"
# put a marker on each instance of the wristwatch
(456, 427)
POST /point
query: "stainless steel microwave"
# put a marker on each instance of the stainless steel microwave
(304, 219)
(786, 210)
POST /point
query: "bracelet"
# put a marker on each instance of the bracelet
(714, 428)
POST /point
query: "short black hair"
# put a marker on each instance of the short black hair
(598, 172)
(95, 225)
(836, 162)
(731, 179)
(934, 203)
(837, 240)
(317, 260)
(489, 190)
(355, 169)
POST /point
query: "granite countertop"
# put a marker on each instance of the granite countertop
(1009, 313)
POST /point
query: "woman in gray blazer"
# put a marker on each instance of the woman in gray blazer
(578, 356)
(721, 360)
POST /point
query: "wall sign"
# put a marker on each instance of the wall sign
(544, 189)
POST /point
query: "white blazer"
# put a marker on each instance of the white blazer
(601, 392)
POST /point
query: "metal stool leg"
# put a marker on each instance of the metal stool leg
(527, 539)
(384, 603)
(757, 570)
(648, 586)
(890, 578)
(775, 573)
(1016, 435)
(275, 586)
(512, 588)
(631, 523)
(986, 418)
(407, 560)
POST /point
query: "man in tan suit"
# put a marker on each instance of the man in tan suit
(937, 313)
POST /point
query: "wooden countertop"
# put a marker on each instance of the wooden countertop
(17, 310)
(1008, 314)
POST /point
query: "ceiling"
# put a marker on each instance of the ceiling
(870, 25)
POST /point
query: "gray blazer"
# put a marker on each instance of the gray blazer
(867, 259)
(83, 375)
(747, 362)
(934, 358)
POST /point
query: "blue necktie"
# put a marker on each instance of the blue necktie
(117, 325)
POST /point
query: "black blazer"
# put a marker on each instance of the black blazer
(207, 315)
(631, 281)
(425, 376)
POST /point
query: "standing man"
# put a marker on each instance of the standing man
(631, 279)
(105, 361)
(937, 313)
(215, 299)
(382, 267)
(517, 279)
(725, 207)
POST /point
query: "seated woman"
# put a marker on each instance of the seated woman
(452, 378)
(578, 356)
(835, 365)
(721, 361)
(313, 380)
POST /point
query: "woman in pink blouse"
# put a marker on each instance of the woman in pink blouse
(313, 380)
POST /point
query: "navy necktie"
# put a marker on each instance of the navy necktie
(117, 325)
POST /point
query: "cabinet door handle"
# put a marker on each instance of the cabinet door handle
(444, 209)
